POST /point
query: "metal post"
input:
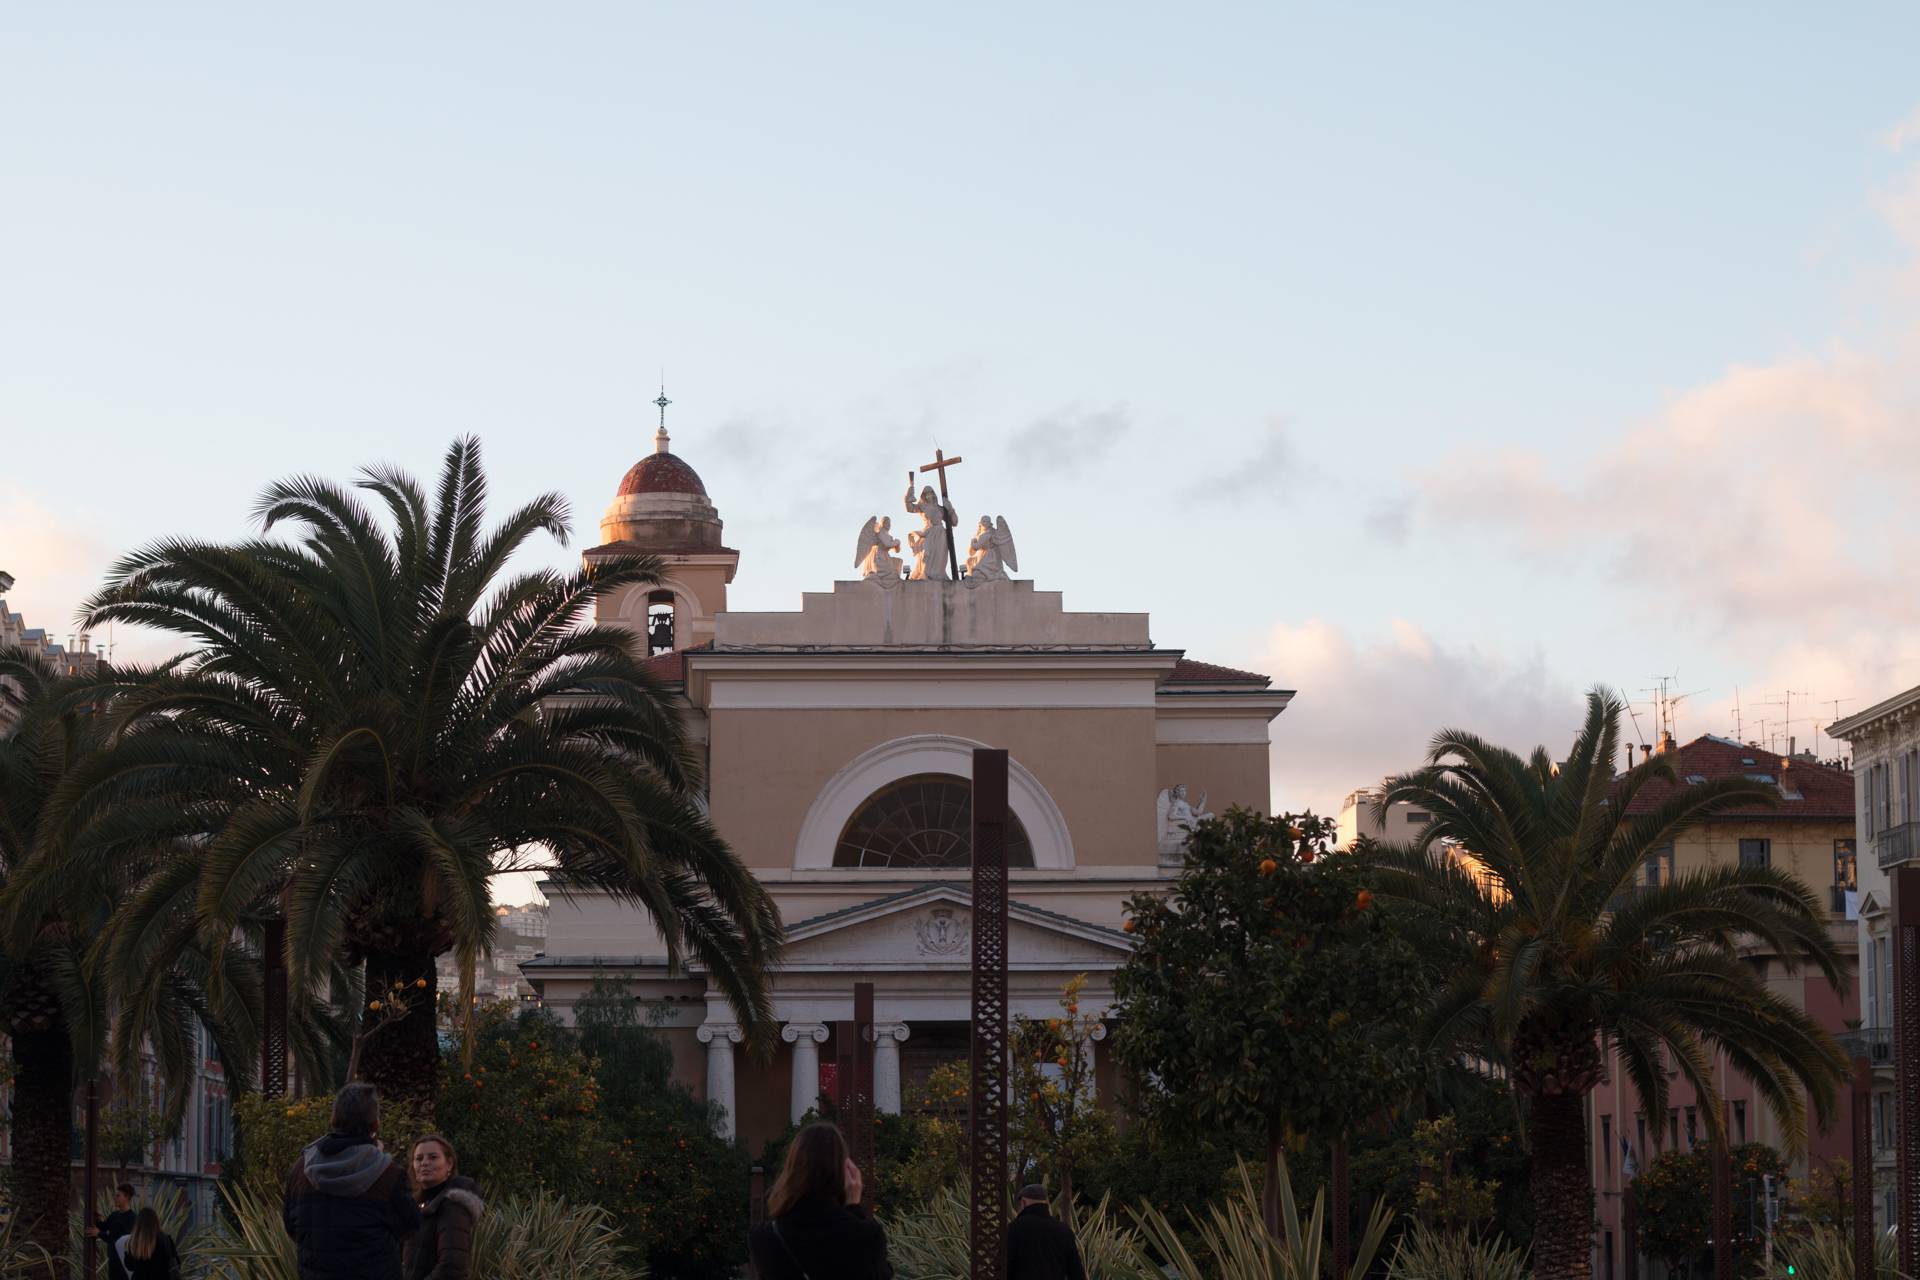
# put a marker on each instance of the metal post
(987, 1103)
(1906, 1061)
(87, 1207)
(1630, 1234)
(1342, 1208)
(273, 1048)
(1863, 1251)
(756, 1210)
(863, 1087)
(1722, 1212)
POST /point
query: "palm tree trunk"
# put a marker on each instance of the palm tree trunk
(1562, 1194)
(43, 1133)
(403, 1060)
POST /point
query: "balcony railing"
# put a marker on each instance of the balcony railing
(1898, 844)
(1875, 1044)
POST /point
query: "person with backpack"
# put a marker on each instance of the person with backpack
(450, 1208)
(815, 1227)
(347, 1203)
(147, 1252)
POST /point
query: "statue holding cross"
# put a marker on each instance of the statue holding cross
(933, 542)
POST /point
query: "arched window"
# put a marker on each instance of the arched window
(925, 823)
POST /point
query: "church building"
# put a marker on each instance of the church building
(839, 742)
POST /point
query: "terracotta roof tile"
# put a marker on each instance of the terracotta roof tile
(662, 473)
(1825, 792)
(634, 549)
(671, 667)
(1187, 670)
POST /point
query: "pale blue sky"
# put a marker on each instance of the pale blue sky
(1228, 309)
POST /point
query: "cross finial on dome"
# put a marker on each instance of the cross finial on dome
(660, 437)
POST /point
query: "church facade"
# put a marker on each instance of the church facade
(839, 740)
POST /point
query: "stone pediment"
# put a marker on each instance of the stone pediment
(931, 928)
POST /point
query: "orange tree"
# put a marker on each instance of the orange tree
(1266, 989)
(1673, 1204)
(523, 1112)
(1055, 1125)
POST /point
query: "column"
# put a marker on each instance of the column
(886, 1066)
(720, 1037)
(806, 1039)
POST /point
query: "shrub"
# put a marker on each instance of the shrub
(1450, 1255)
(523, 1112)
(272, 1131)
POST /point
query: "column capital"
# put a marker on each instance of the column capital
(813, 1031)
(708, 1032)
(897, 1031)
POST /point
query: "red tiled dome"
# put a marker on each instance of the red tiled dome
(661, 473)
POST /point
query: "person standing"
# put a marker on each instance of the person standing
(815, 1228)
(450, 1208)
(347, 1203)
(147, 1252)
(1039, 1245)
(116, 1224)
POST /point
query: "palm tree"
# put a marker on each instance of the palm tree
(1521, 888)
(409, 721)
(79, 836)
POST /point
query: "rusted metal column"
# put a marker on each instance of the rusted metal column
(1905, 885)
(987, 1103)
(273, 1047)
(87, 1206)
(1722, 1212)
(1863, 1259)
(1342, 1210)
(863, 1087)
(1630, 1234)
(756, 1210)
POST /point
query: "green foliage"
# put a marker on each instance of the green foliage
(1451, 1255)
(1673, 1202)
(273, 1131)
(1056, 1125)
(1450, 1198)
(130, 1127)
(1233, 1233)
(932, 1244)
(1825, 1254)
(1265, 986)
(1826, 1202)
(522, 1111)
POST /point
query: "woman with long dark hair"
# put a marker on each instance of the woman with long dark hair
(147, 1252)
(450, 1207)
(815, 1228)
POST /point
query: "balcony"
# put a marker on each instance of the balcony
(1875, 1044)
(1898, 844)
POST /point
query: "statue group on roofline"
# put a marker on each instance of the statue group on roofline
(990, 552)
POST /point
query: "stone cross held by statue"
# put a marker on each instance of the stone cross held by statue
(940, 463)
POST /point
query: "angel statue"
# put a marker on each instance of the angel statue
(992, 549)
(872, 556)
(1177, 819)
(929, 543)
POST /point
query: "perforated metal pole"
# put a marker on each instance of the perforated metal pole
(987, 1102)
(863, 1087)
(1722, 1213)
(1906, 1061)
(1342, 1210)
(273, 1048)
(1863, 1257)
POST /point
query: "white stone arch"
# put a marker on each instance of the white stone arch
(889, 762)
(686, 607)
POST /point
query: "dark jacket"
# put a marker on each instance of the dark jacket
(162, 1264)
(1041, 1247)
(823, 1240)
(438, 1250)
(348, 1208)
(112, 1227)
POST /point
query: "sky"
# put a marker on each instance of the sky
(1439, 362)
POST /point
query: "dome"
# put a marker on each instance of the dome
(661, 473)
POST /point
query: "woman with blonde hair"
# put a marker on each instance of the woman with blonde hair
(815, 1228)
(147, 1252)
(450, 1206)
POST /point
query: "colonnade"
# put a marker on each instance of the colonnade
(806, 1039)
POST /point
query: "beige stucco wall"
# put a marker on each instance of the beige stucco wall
(1804, 848)
(1230, 773)
(1098, 764)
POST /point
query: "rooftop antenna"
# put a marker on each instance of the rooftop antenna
(1836, 711)
(1738, 728)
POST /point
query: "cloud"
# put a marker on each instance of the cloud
(1258, 472)
(1071, 438)
(1366, 711)
(1770, 511)
(1903, 134)
(57, 562)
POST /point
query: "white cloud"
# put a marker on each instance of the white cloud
(57, 562)
(1368, 710)
(1905, 133)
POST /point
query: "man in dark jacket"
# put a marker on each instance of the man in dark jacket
(347, 1203)
(1039, 1245)
(113, 1226)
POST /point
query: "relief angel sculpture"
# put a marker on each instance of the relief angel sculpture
(873, 556)
(1177, 817)
(992, 551)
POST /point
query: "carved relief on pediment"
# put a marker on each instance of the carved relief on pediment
(942, 932)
